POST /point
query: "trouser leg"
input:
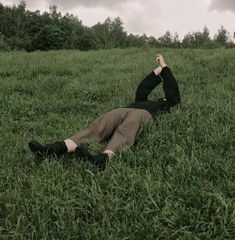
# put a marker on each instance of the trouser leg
(125, 134)
(101, 128)
(170, 86)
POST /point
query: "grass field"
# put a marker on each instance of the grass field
(177, 182)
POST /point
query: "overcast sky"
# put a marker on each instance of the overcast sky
(153, 17)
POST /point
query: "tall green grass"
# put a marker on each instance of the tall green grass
(177, 182)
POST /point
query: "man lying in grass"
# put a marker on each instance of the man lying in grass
(121, 126)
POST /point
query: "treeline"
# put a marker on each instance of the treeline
(22, 29)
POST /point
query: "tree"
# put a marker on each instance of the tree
(3, 45)
(12, 24)
(176, 41)
(166, 40)
(207, 42)
(221, 37)
(50, 37)
(55, 16)
(198, 39)
(188, 41)
(110, 33)
(88, 39)
(152, 42)
(103, 32)
(72, 29)
(119, 36)
(202, 39)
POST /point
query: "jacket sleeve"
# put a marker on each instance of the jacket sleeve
(146, 86)
(170, 87)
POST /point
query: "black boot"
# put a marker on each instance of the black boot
(48, 150)
(99, 160)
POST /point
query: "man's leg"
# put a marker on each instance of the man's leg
(125, 135)
(99, 130)
(71, 146)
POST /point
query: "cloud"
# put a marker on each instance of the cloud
(222, 5)
(69, 4)
(139, 17)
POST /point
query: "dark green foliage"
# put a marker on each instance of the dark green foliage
(177, 182)
(198, 40)
(110, 34)
(88, 39)
(222, 36)
(166, 40)
(50, 37)
(3, 45)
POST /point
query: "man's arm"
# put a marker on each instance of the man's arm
(146, 86)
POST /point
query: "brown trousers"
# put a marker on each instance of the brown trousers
(123, 125)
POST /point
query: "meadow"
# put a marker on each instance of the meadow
(176, 183)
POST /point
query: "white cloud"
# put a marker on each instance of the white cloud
(141, 18)
(138, 18)
(69, 4)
